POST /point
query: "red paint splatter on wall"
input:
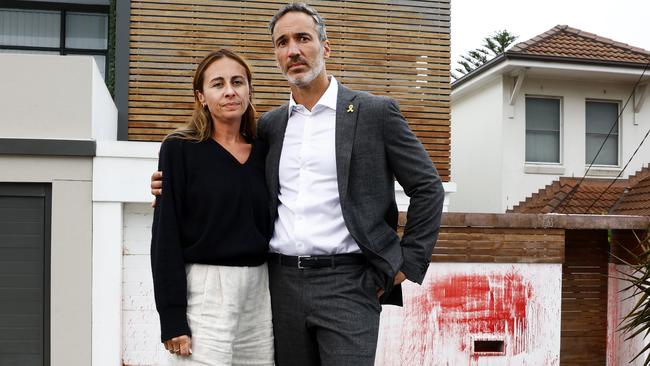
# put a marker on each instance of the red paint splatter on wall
(490, 304)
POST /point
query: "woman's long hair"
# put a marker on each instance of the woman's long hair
(200, 127)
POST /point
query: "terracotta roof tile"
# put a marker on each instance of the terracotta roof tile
(563, 41)
(629, 196)
(636, 201)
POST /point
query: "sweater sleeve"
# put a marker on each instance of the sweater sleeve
(167, 264)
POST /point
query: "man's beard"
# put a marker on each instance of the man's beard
(314, 71)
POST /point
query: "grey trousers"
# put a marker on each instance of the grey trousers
(324, 316)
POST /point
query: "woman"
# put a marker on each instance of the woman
(211, 227)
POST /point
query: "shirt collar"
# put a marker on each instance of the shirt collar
(328, 99)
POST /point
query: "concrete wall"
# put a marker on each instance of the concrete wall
(54, 97)
(476, 154)
(476, 148)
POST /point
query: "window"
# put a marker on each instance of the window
(542, 130)
(601, 117)
(52, 28)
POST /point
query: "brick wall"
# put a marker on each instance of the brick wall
(140, 326)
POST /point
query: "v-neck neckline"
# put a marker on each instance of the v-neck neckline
(248, 158)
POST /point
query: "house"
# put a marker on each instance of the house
(83, 160)
(542, 110)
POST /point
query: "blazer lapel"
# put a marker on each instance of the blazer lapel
(276, 140)
(346, 121)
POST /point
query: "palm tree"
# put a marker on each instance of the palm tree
(493, 46)
(637, 274)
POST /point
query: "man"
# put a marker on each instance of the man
(333, 156)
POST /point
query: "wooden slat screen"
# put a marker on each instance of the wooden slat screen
(584, 298)
(394, 48)
(499, 245)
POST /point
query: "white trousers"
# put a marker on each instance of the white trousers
(229, 314)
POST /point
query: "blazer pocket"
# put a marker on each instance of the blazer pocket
(378, 278)
(387, 246)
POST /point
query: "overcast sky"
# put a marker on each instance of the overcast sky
(625, 21)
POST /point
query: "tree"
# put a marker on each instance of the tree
(493, 46)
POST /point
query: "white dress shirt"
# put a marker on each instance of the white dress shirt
(310, 220)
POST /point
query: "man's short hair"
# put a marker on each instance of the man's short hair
(302, 8)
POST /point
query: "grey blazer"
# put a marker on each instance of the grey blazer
(374, 146)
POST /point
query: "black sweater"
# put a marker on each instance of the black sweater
(213, 210)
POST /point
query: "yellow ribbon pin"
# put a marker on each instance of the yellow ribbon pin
(350, 108)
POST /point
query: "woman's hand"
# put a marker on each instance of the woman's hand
(181, 345)
(156, 185)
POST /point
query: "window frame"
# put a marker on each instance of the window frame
(63, 9)
(560, 161)
(619, 132)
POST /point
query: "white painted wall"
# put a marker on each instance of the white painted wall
(107, 284)
(122, 171)
(103, 111)
(125, 323)
(476, 154)
(472, 157)
(403, 200)
(140, 324)
(441, 337)
(399, 343)
(46, 96)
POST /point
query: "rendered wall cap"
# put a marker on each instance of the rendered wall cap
(54, 97)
